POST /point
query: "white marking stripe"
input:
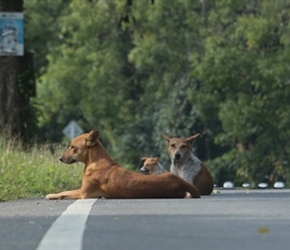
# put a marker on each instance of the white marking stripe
(66, 233)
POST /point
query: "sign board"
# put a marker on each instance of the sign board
(11, 34)
(72, 130)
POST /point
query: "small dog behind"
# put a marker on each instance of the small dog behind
(186, 165)
(103, 177)
(152, 166)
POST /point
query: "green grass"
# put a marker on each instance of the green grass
(34, 172)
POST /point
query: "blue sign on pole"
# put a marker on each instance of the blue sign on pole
(11, 34)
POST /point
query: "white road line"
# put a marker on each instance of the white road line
(66, 233)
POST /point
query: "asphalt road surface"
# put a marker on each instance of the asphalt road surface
(255, 219)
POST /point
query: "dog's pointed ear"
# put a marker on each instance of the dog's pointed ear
(92, 138)
(191, 139)
(167, 138)
(143, 158)
(155, 159)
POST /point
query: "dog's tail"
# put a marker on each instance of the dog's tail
(191, 191)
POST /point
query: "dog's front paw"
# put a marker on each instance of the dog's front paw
(51, 197)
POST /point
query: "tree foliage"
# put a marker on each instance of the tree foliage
(136, 69)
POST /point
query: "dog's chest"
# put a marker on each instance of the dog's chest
(191, 166)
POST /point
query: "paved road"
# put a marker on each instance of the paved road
(258, 219)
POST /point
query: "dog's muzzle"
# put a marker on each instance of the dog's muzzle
(177, 156)
(144, 171)
(72, 161)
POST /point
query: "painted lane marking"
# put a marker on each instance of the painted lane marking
(66, 233)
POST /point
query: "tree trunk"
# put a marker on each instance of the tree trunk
(16, 85)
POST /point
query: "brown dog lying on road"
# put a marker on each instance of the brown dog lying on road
(152, 166)
(186, 165)
(103, 177)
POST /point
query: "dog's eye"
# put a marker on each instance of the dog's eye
(172, 145)
(183, 147)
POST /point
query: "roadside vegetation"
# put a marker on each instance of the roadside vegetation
(34, 172)
(135, 70)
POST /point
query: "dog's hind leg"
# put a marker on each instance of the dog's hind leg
(192, 191)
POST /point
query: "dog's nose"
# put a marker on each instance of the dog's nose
(177, 156)
(60, 159)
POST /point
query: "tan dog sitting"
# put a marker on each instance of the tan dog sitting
(186, 165)
(103, 177)
(152, 166)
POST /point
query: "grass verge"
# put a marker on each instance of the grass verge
(34, 172)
